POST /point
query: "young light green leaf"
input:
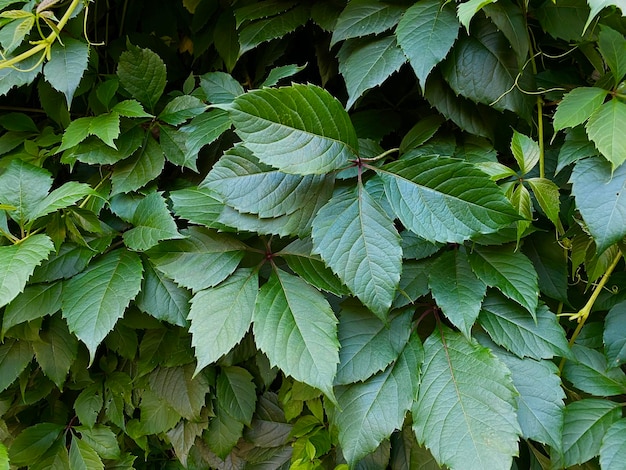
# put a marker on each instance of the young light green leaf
(456, 289)
(366, 63)
(596, 6)
(104, 126)
(605, 128)
(525, 150)
(220, 87)
(295, 327)
(577, 106)
(300, 129)
(152, 223)
(509, 271)
(601, 200)
(369, 345)
(35, 302)
(131, 109)
(612, 46)
(547, 194)
(67, 195)
(465, 409)
(56, 351)
(444, 199)
(180, 389)
(82, 455)
(220, 316)
(368, 412)
(353, 223)
(236, 393)
(614, 335)
(426, 33)
(33, 442)
(202, 259)
(15, 355)
(68, 62)
(18, 263)
(589, 372)
(363, 17)
(142, 73)
(613, 449)
(145, 165)
(94, 300)
(23, 186)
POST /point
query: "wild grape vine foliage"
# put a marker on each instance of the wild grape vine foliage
(304, 235)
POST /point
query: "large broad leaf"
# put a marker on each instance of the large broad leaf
(606, 129)
(17, 263)
(152, 223)
(588, 371)
(539, 336)
(467, 10)
(577, 105)
(613, 449)
(509, 271)
(614, 335)
(300, 129)
(203, 259)
(94, 300)
(456, 289)
(221, 316)
(356, 238)
(601, 199)
(295, 326)
(369, 345)
(465, 410)
(23, 186)
(444, 199)
(366, 63)
(364, 17)
(370, 411)
(68, 62)
(426, 33)
(142, 73)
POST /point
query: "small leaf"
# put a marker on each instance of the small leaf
(180, 390)
(236, 393)
(180, 109)
(15, 355)
(589, 372)
(67, 195)
(183, 438)
(547, 195)
(198, 206)
(605, 129)
(82, 455)
(131, 109)
(88, 404)
(612, 46)
(201, 131)
(614, 335)
(364, 17)
(33, 442)
(142, 73)
(223, 433)
(577, 106)
(135, 172)
(220, 87)
(297, 330)
(56, 351)
(23, 186)
(613, 449)
(467, 10)
(280, 73)
(525, 150)
(257, 32)
(94, 300)
(102, 440)
(152, 223)
(67, 64)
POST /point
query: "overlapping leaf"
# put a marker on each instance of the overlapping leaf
(152, 223)
(68, 62)
(604, 128)
(363, 17)
(613, 449)
(588, 371)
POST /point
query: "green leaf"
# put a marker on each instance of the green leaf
(613, 449)
(95, 152)
(354, 223)
(226, 40)
(525, 150)
(152, 223)
(467, 10)
(4, 458)
(511, 272)
(36, 301)
(236, 393)
(585, 423)
(465, 409)
(180, 390)
(612, 46)
(601, 200)
(180, 109)
(444, 199)
(589, 372)
(407, 454)
(56, 351)
(82, 455)
(13, 77)
(605, 129)
(162, 298)
(368, 412)
(67, 195)
(577, 106)
(511, 20)
(551, 266)
(33, 442)
(183, 438)
(201, 131)
(197, 205)
(94, 300)
(366, 63)
(297, 330)
(548, 197)
(598, 5)
(220, 316)
(220, 87)
(363, 17)
(413, 282)
(456, 289)
(223, 434)
(131, 109)
(88, 404)
(563, 21)
(202, 259)
(156, 414)
(138, 170)
(18, 263)
(69, 260)
(15, 355)
(421, 132)
(142, 73)
(68, 62)
(101, 439)
(426, 33)
(280, 73)
(576, 147)
(369, 345)
(105, 126)
(614, 335)
(23, 186)
(285, 128)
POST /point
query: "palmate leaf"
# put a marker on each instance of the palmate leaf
(605, 128)
(426, 33)
(465, 409)
(17, 263)
(295, 327)
(300, 129)
(363, 17)
(94, 300)
(357, 239)
(444, 199)
(370, 411)
(68, 62)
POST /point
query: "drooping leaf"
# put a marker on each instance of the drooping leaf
(356, 238)
(33, 442)
(547, 194)
(614, 335)
(94, 300)
(420, 132)
(202, 259)
(23, 186)
(139, 169)
(220, 316)
(439, 199)
(601, 199)
(426, 33)
(68, 62)
(456, 289)
(295, 327)
(56, 351)
(370, 411)
(236, 393)
(407, 454)
(35, 302)
(605, 129)
(281, 73)
(589, 371)
(15, 355)
(612, 46)
(366, 63)
(511, 20)
(465, 409)
(363, 17)
(143, 74)
(223, 433)
(18, 263)
(152, 223)
(183, 437)
(300, 129)
(613, 449)
(180, 389)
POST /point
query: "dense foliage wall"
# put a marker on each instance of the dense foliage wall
(295, 234)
